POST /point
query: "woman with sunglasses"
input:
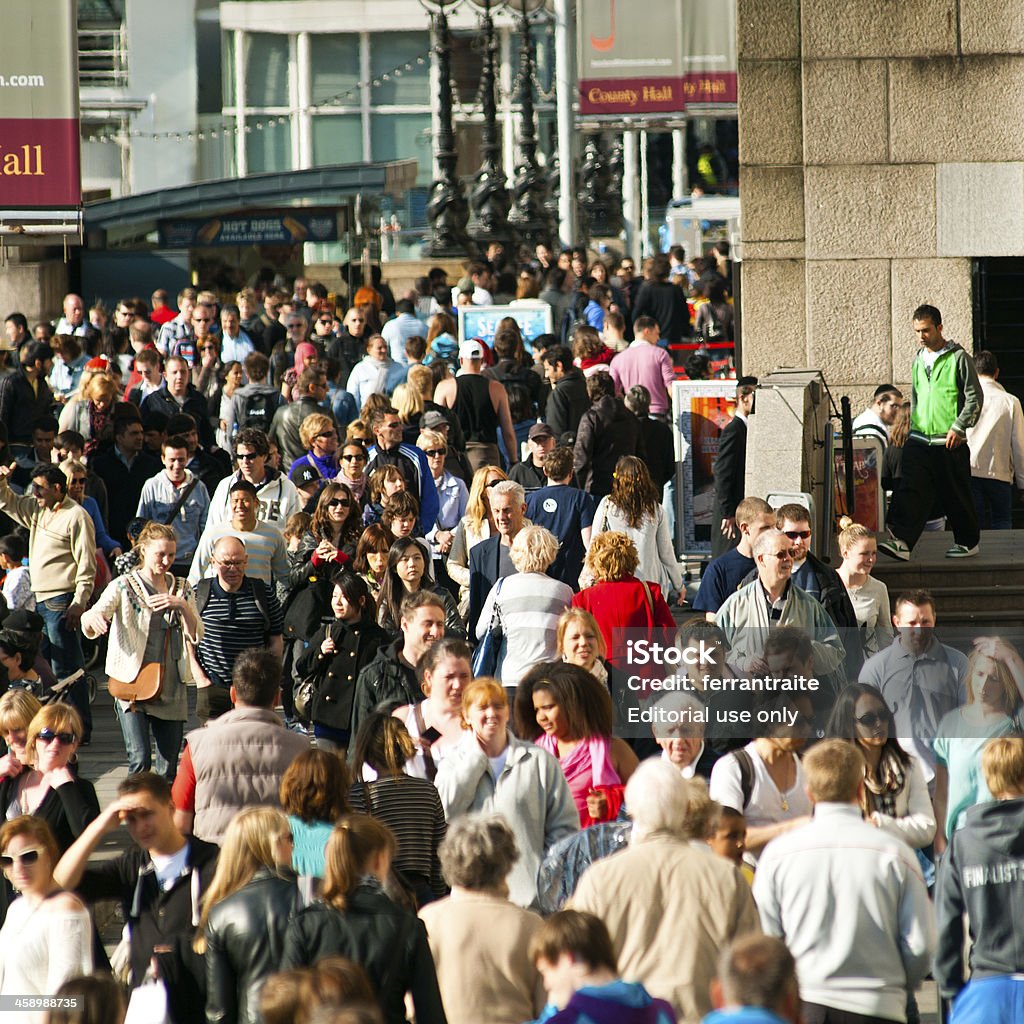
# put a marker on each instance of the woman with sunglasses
(895, 792)
(327, 546)
(476, 525)
(47, 936)
(409, 571)
(41, 779)
(353, 469)
(245, 913)
(452, 494)
(319, 436)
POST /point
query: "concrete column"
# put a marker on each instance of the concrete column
(364, 93)
(645, 213)
(241, 157)
(303, 117)
(679, 183)
(506, 77)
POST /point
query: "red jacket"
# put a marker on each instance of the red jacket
(624, 605)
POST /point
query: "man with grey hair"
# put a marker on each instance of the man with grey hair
(771, 600)
(489, 560)
(678, 729)
(756, 984)
(650, 894)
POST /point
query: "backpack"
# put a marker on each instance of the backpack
(711, 328)
(259, 592)
(746, 763)
(258, 410)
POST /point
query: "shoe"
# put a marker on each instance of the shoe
(961, 551)
(894, 548)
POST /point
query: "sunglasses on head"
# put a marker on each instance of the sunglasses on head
(874, 718)
(494, 483)
(798, 534)
(64, 738)
(25, 857)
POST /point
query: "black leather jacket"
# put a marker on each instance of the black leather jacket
(244, 943)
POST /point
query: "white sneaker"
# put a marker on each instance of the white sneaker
(894, 548)
(961, 551)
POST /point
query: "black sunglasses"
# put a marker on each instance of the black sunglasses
(354, 458)
(798, 534)
(64, 738)
(872, 719)
(248, 456)
(25, 857)
(435, 451)
(339, 503)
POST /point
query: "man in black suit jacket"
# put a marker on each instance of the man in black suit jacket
(489, 560)
(731, 469)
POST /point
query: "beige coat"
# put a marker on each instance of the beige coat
(479, 943)
(671, 908)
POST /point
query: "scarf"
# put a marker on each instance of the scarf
(97, 426)
(327, 466)
(880, 794)
(357, 487)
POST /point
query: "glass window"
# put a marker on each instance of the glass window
(334, 65)
(270, 149)
(266, 70)
(337, 139)
(402, 137)
(227, 64)
(467, 67)
(390, 50)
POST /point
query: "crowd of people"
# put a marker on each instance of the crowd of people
(396, 568)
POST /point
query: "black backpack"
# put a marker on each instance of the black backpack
(259, 593)
(258, 410)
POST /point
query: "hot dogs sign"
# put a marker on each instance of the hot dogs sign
(258, 229)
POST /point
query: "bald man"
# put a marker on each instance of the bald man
(239, 612)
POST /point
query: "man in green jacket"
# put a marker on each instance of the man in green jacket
(945, 400)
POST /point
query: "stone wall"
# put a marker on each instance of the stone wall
(862, 129)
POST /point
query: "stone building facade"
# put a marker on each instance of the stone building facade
(881, 150)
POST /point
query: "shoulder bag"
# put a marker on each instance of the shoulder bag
(149, 683)
(488, 656)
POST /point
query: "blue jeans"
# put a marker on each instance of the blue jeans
(63, 647)
(138, 728)
(994, 501)
(997, 1000)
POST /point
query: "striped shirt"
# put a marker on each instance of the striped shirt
(412, 809)
(264, 544)
(232, 623)
(529, 605)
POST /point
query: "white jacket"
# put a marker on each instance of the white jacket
(850, 903)
(914, 821)
(996, 441)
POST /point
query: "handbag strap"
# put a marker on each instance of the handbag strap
(428, 757)
(180, 503)
(650, 599)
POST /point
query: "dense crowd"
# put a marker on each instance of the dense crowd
(399, 570)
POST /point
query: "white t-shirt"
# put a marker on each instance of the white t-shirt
(169, 869)
(498, 763)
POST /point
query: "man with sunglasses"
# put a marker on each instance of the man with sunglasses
(159, 882)
(773, 599)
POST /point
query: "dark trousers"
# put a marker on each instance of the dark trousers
(815, 1013)
(934, 473)
(212, 702)
(993, 501)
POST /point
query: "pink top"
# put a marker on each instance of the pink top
(643, 363)
(587, 765)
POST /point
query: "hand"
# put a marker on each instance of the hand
(73, 616)
(5, 471)
(597, 805)
(327, 647)
(326, 551)
(209, 358)
(954, 440)
(939, 843)
(10, 766)
(444, 539)
(95, 623)
(164, 602)
(115, 553)
(203, 682)
(728, 527)
(756, 665)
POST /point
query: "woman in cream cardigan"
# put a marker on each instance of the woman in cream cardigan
(149, 615)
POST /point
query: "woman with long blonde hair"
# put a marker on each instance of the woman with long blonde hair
(476, 525)
(633, 508)
(357, 919)
(245, 913)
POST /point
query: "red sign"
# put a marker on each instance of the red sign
(39, 163)
(655, 95)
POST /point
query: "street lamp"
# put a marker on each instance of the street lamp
(446, 210)
(488, 196)
(529, 189)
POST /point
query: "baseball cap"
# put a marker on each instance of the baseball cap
(432, 419)
(303, 476)
(101, 363)
(539, 431)
(471, 349)
(21, 620)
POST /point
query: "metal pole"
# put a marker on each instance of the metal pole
(678, 163)
(630, 205)
(645, 219)
(565, 79)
